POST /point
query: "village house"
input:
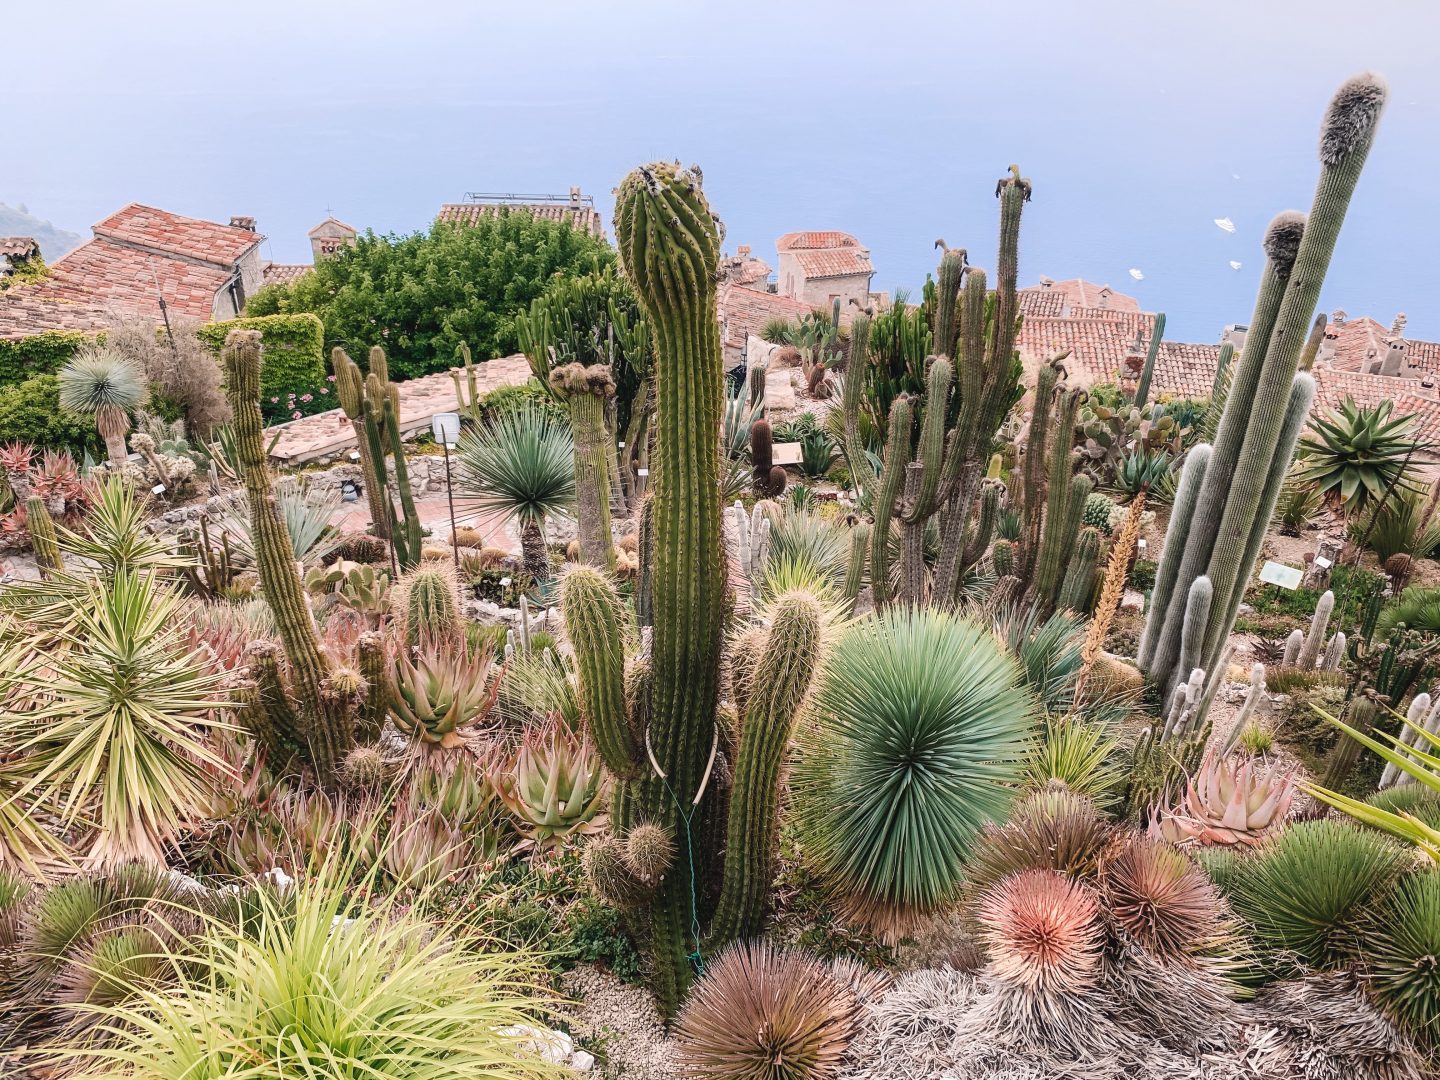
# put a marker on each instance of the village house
(819, 268)
(575, 209)
(330, 236)
(141, 262)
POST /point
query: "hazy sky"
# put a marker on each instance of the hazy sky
(1140, 122)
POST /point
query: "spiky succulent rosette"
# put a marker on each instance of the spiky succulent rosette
(1053, 829)
(765, 1013)
(1043, 933)
(1228, 801)
(1159, 897)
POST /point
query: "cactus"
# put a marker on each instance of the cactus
(1315, 639)
(782, 679)
(592, 620)
(1293, 644)
(1187, 492)
(429, 612)
(585, 390)
(1064, 502)
(752, 541)
(1247, 708)
(1197, 613)
(42, 537)
(1334, 652)
(1258, 429)
(769, 478)
(855, 568)
(327, 735)
(1077, 590)
(350, 390)
(1142, 391)
(938, 469)
(1002, 555)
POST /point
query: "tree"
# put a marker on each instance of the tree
(422, 295)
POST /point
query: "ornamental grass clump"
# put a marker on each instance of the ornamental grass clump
(765, 1013)
(321, 985)
(1043, 932)
(920, 725)
(1402, 956)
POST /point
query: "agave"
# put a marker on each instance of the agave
(1228, 802)
(440, 694)
(1355, 454)
(554, 788)
(424, 848)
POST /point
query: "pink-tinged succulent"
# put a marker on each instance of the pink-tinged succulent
(58, 482)
(1042, 932)
(15, 458)
(555, 788)
(1229, 801)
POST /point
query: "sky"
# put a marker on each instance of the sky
(1139, 122)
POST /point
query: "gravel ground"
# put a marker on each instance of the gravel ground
(619, 1025)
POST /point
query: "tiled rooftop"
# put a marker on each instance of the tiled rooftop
(23, 314)
(285, 273)
(746, 311)
(833, 262)
(18, 247)
(815, 240)
(167, 233)
(129, 280)
(1078, 293)
(585, 218)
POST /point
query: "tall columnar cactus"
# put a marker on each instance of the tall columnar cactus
(968, 391)
(1187, 493)
(1142, 391)
(669, 245)
(1254, 443)
(1064, 501)
(350, 390)
(430, 609)
(782, 678)
(324, 717)
(586, 390)
(593, 620)
(43, 540)
(1319, 625)
(1077, 590)
(769, 478)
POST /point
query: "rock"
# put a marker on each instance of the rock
(580, 1061)
(1319, 566)
(1132, 600)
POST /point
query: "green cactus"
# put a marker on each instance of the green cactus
(43, 540)
(327, 736)
(350, 390)
(1319, 625)
(769, 479)
(855, 568)
(593, 622)
(586, 390)
(1187, 493)
(374, 660)
(1034, 482)
(1077, 591)
(430, 609)
(1003, 556)
(1142, 391)
(1065, 500)
(787, 663)
(1251, 441)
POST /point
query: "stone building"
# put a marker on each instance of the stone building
(576, 209)
(818, 268)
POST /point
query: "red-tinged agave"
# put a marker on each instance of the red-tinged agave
(555, 787)
(1228, 801)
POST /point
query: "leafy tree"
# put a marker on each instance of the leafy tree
(424, 294)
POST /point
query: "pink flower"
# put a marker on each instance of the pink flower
(324, 389)
(329, 378)
(307, 397)
(295, 415)
(273, 400)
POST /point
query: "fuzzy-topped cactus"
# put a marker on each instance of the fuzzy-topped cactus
(585, 390)
(1267, 400)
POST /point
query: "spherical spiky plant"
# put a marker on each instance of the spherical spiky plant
(1162, 899)
(649, 852)
(1043, 932)
(921, 724)
(100, 383)
(1402, 952)
(365, 768)
(763, 1013)
(1310, 887)
(1053, 829)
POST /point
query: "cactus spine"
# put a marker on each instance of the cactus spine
(780, 683)
(430, 612)
(1077, 591)
(43, 540)
(586, 390)
(1142, 391)
(1251, 442)
(1319, 624)
(593, 622)
(327, 737)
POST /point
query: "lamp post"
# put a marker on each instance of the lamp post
(446, 428)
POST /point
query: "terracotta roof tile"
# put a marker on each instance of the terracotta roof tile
(815, 240)
(833, 262)
(1041, 303)
(18, 247)
(162, 231)
(584, 218)
(22, 314)
(1079, 293)
(745, 311)
(127, 280)
(285, 273)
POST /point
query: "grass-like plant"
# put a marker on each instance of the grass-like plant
(920, 726)
(1309, 889)
(1078, 755)
(1402, 955)
(102, 383)
(1052, 829)
(323, 985)
(763, 1013)
(803, 540)
(520, 463)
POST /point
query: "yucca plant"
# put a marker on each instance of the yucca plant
(1042, 932)
(440, 694)
(1053, 829)
(1162, 899)
(1080, 756)
(1402, 955)
(1310, 887)
(520, 463)
(764, 1013)
(306, 513)
(1355, 454)
(323, 986)
(537, 686)
(920, 724)
(554, 788)
(118, 732)
(1394, 527)
(104, 384)
(1417, 607)
(800, 538)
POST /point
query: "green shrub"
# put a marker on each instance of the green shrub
(293, 373)
(39, 354)
(1403, 956)
(30, 412)
(509, 398)
(1311, 887)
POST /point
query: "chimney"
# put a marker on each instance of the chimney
(1047, 283)
(242, 221)
(1394, 362)
(1397, 328)
(1338, 317)
(742, 251)
(574, 198)
(1326, 353)
(1235, 335)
